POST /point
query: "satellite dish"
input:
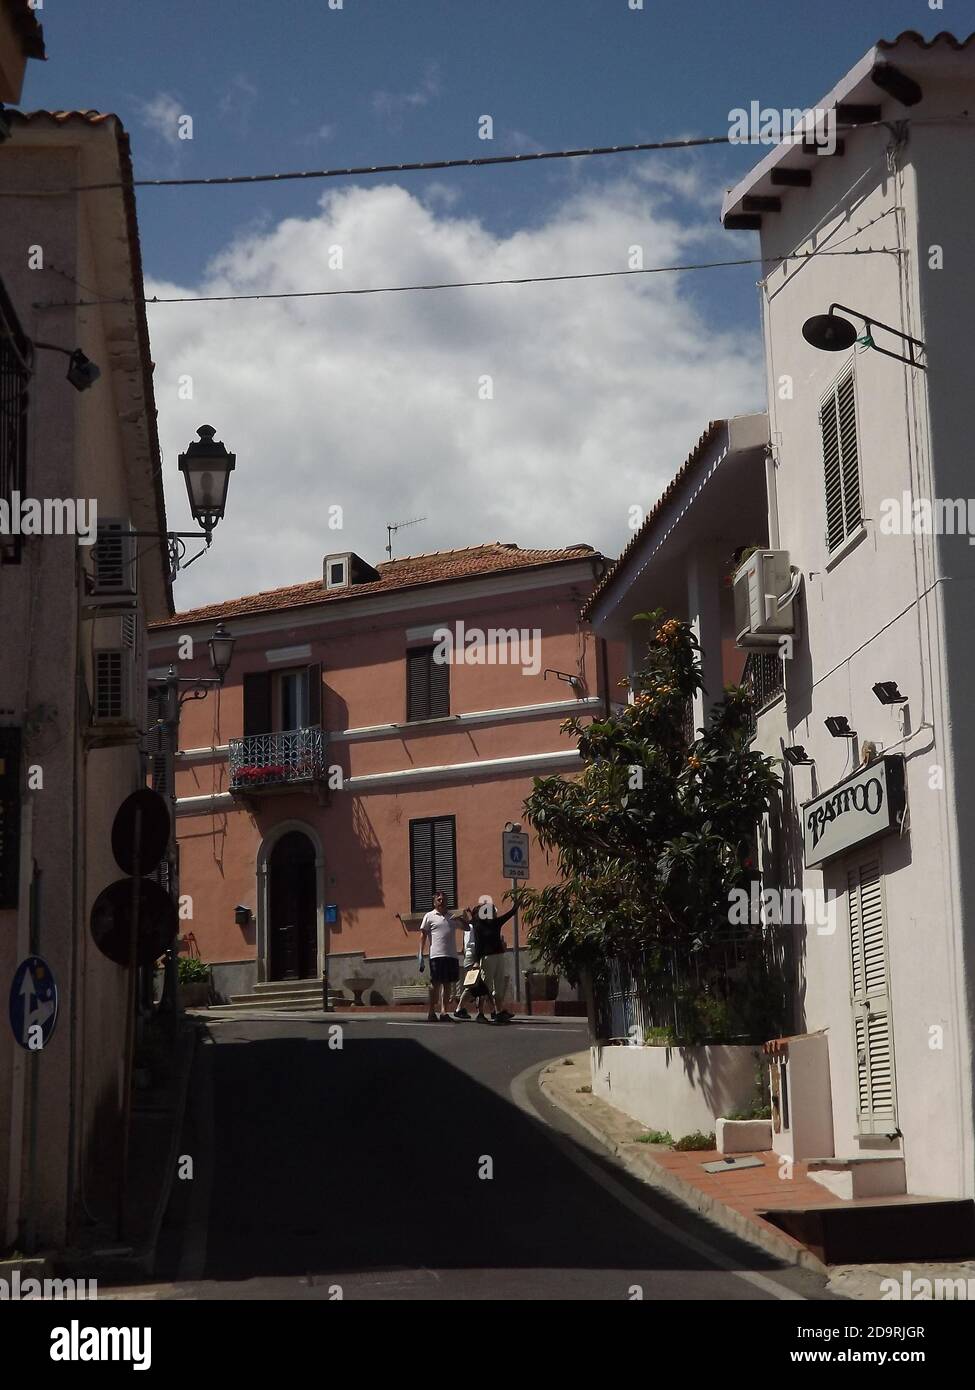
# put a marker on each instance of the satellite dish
(111, 921)
(829, 332)
(153, 832)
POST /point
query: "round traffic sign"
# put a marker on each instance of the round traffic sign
(153, 832)
(111, 921)
(33, 1003)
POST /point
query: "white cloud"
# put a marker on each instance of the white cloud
(371, 402)
(394, 104)
(161, 115)
(238, 102)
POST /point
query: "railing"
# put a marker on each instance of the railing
(265, 760)
(762, 678)
(15, 355)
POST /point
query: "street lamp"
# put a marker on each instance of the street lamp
(830, 332)
(206, 466)
(221, 646)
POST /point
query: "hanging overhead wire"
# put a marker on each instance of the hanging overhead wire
(458, 284)
(476, 162)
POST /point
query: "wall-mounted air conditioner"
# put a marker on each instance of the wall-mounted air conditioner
(118, 684)
(765, 587)
(113, 560)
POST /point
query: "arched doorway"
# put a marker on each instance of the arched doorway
(292, 908)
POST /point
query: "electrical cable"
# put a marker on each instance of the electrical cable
(453, 284)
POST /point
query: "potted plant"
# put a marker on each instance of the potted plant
(194, 982)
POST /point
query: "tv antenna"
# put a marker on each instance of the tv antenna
(392, 526)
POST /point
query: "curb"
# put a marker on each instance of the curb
(664, 1181)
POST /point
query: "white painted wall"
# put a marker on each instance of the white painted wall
(679, 1089)
(892, 607)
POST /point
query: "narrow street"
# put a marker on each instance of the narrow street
(319, 1169)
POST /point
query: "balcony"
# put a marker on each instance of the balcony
(762, 678)
(270, 762)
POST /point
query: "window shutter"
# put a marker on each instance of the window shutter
(445, 859)
(257, 703)
(439, 688)
(314, 694)
(159, 742)
(418, 665)
(421, 865)
(870, 997)
(841, 462)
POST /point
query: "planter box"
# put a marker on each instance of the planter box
(194, 994)
(410, 994)
(680, 1089)
(744, 1136)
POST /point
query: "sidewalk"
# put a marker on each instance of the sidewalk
(731, 1200)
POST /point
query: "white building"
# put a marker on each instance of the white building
(854, 432)
(878, 1074)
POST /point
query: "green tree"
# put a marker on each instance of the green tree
(650, 839)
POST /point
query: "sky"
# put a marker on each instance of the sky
(537, 413)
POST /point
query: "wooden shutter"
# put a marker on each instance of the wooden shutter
(445, 859)
(10, 758)
(418, 665)
(439, 688)
(427, 685)
(841, 462)
(421, 865)
(870, 999)
(314, 694)
(257, 703)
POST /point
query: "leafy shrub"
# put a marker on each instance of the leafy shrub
(192, 970)
(693, 1142)
(656, 1136)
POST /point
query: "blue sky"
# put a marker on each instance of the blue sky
(295, 85)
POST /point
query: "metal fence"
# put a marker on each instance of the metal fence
(295, 755)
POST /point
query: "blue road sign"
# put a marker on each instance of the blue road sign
(33, 1004)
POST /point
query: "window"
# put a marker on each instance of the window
(427, 685)
(433, 861)
(841, 461)
(870, 999)
(278, 701)
(337, 576)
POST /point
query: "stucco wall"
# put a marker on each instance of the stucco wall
(682, 1090)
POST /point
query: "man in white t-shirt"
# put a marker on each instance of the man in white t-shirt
(439, 929)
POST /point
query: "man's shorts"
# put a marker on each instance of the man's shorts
(444, 970)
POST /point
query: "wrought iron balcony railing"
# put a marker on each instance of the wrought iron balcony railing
(274, 760)
(762, 678)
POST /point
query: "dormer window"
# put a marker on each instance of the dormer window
(346, 569)
(337, 573)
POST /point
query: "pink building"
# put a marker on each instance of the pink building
(376, 730)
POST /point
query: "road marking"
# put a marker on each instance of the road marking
(519, 1094)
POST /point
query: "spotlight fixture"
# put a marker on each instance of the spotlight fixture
(82, 371)
(839, 726)
(888, 694)
(796, 756)
(830, 332)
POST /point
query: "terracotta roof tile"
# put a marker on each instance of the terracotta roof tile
(406, 572)
(911, 35)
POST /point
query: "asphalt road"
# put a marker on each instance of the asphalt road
(420, 1161)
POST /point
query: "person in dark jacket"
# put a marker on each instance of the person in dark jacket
(489, 954)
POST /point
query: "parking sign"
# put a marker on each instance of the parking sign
(514, 854)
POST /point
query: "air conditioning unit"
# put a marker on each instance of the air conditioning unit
(764, 589)
(113, 559)
(119, 687)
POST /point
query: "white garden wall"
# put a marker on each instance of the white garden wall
(680, 1089)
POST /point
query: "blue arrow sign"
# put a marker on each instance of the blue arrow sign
(33, 1004)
